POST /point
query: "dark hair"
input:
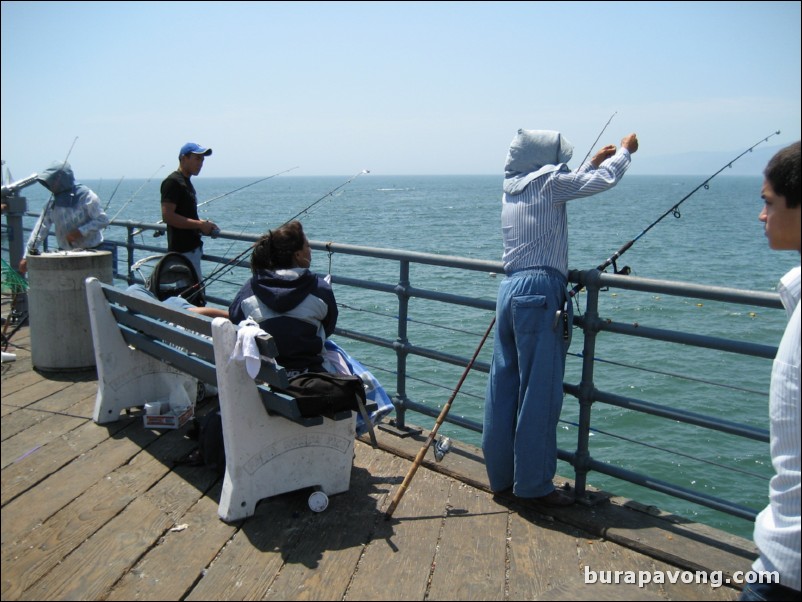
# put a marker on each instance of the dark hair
(782, 172)
(276, 249)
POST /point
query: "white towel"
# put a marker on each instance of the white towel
(246, 349)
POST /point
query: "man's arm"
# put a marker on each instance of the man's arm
(171, 218)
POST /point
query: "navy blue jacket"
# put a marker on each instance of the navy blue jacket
(296, 307)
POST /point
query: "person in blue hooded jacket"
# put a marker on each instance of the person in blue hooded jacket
(524, 392)
(73, 209)
(287, 300)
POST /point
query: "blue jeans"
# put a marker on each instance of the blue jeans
(175, 302)
(195, 258)
(768, 591)
(525, 389)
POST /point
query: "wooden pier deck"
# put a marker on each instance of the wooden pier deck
(95, 512)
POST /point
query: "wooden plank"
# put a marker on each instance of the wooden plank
(601, 559)
(542, 553)
(91, 570)
(169, 570)
(34, 392)
(47, 428)
(322, 564)
(397, 563)
(19, 381)
(471, 555)
(63, 401)
(660, 535)
(90, 456)
(37, 551)
(248, 564)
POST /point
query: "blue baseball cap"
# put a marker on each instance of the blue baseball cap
(195, 149)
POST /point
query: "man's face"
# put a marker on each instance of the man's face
(783, 226)
(192, 163)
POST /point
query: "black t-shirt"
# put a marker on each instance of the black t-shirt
(177, 189)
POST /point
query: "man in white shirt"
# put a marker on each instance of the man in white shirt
(777, 527)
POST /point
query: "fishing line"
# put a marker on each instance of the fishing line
(703, 381)
(590, 150)
(112, 194)
(669, 451)
(229, 265)
(133, 196)
(325, 196)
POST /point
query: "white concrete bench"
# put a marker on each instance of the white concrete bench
(142, 355)
(266, 454)
(147, 351)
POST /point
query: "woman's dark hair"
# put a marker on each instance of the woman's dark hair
(782, 172)
(276, 249)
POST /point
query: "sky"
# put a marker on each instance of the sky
(394, 87)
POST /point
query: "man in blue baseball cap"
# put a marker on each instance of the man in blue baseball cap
(180, 206)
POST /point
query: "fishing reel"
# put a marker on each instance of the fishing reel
(625, 271)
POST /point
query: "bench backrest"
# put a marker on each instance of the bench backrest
(184, 340)
(176, 337)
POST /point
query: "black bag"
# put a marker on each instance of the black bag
(174, 276)
(211, 451)
(324, 393)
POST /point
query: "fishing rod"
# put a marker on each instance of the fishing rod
(159, 233)
(113, 193)
(50, 202)
(422, 453)
(674, 210)
(590, 150)
(223, 268)
(138, 190)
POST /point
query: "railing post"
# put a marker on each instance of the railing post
(130, 247)
(402, 342)
(586, 386)
(16, 208)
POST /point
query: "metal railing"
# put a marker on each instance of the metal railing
(404, 345)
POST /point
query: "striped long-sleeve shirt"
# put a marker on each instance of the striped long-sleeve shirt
(777, 527)
(534, 223)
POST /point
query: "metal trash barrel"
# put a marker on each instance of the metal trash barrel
(61, 334)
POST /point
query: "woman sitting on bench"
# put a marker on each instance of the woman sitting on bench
(297, 307)
(292, 303)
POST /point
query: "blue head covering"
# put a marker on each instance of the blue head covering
(532, 154)
(59, 179)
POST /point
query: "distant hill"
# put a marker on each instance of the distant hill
(704, 163)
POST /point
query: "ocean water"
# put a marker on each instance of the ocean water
(718, 240)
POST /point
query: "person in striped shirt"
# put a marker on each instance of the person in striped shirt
(524, 391)
(778, 535)
(74, 210)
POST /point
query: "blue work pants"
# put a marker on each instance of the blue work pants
(525, 389)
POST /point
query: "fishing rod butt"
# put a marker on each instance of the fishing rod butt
(388, 514)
